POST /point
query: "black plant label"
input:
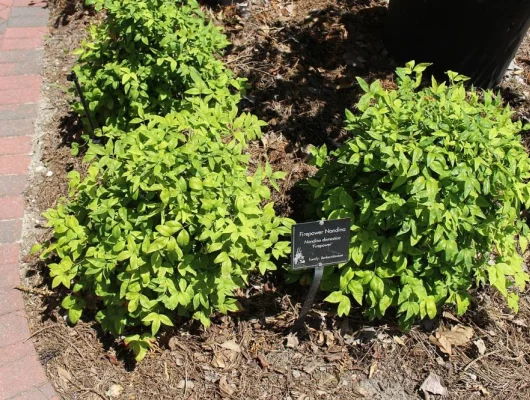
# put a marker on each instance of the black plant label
(320, 243)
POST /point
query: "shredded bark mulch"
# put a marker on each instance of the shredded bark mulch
(301, 59)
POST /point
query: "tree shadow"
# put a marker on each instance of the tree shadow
(66, 11)
(71, 129)
(38, 4)
(302, 74)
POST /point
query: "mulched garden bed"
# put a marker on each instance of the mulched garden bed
(300, 59)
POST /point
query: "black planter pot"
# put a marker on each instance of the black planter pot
(477, 38)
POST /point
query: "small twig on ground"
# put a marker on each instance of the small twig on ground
(186, 376)
(37, 332)
(87, 389)
(291, 304)
(37, 291)
(480, 358)
(70, 343)
(234, 60)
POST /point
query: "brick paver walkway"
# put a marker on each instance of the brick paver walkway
(22, 30)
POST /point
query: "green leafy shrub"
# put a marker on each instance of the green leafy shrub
(168, 220)
(433, 181)
(150, 56)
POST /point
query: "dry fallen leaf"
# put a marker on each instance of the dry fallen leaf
(333, 357)
(433, 385)
(112, 358)
(265, 141)
(481, 347)
(292, 341)
(185, 384)
(262, 361)
(284, 48)
(173, 343)
(114, 391)
(327, 379)
(399, 341)
(64, 374)
(226, 388)
(219, 360)
(441, 341)
(231, 345)
(373, 368)
(450, 316)
(72, 332)
(321, 339)
(64, 378)
(179, 359)
(330, 339)
(520, 322)
(335, 348)
(482, 390)
(310, 368)
(459, 335)
(200, 358)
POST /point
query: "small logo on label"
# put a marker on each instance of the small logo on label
(299, 257)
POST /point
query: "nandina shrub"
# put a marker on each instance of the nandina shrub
(167, 221)
(150, 57)
(433, 181)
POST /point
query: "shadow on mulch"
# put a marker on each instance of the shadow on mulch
(303, 73)
(71, 129)
(66, 11)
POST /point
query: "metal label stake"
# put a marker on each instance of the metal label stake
(310, 299)
(72, 77)
(315, 245)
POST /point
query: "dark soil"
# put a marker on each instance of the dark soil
(301, 60)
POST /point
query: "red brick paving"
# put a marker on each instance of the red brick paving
(10, 276)
(24, 375)
(44, 392)
(15, 352)
(10, 301)
(11, 207)
(11, 185)
(15, 145)
(20, 82)
(9, 69)
(17, 96)
(14, 112)
(14, 164)
(4, 13)
(22, 36)
(9, 253)
(16, 127)
(25, 33)
(10, 231)
(19, 56)
(12, 327)
(18, 44)
(29, 3)
(33, 394)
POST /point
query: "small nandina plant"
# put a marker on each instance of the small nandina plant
(433, 181)
(150, 57)
(167, 221)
